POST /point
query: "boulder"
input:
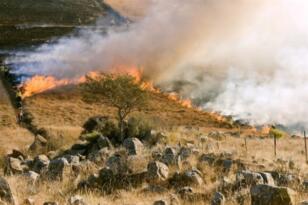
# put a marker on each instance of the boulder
(267, 178)
(39, 143)
(76, 200)
(40, 163)
(263, 194)
(72, 159)
(169, 156)
(248, 178)
(218, 199)
(185, 152)
(157, 171)
(57, 169)
(133, 146)
(117, 164)
(5, 192)
(16, 166)
(32, 176)
(188, 178)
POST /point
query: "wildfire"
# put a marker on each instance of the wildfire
(38, 84)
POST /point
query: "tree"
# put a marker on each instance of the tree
(123, 92)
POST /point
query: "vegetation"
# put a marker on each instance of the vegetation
(121, 91)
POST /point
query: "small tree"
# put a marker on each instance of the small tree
(123, 92)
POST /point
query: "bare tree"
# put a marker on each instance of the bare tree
(123, 92)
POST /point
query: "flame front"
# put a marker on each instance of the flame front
(38, 84)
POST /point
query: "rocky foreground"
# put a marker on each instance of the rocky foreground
(144, 165)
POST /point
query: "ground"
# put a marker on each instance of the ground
(12, 136)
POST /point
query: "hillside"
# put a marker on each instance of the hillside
(35, 21)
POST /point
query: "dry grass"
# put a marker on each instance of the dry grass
(11, 135)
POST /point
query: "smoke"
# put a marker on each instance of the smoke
(243, 58)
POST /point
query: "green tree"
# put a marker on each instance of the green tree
(123, 92)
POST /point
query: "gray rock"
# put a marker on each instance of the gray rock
(40, 163)
(133, 145)
(185, 152)
(218, 199)
(16, 166)
(5, 192)
(118, 164)
(268, 178)
(32, 176)
(76, 200)
(160, 202)
(72, 159)
(157, 171)
(169, 156)
(194, 176)
(271, 195)
(57, 169)
(249, 178)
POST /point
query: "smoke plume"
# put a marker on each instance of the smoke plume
(243, 58)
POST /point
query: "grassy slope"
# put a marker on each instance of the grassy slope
(62, 16)
(11, 135)
(65, 111)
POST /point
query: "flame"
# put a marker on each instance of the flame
(38, 84)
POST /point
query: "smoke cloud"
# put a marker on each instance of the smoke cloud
(243, 58)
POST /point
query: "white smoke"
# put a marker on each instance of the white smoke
(244, 58)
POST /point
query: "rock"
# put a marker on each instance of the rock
(57, 169)
(185, 191)
(218, 199)
(185, 152)
(72, 159)
(118, 164)
(169, 156)
(247, 178)
(103, 142)
(303, 203)
(157, 171)
(16, 166)
(76, 200)
(271, 195)
(160, 202)
(5, 192)
(39, 143)
(133, 145)
(267, 178)
(305, 184)
(188, 178)
(288, 180)
(32, 176)
(40, 163)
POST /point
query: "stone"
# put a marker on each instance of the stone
(16, 166)
(157, 171)
(267, 178)
(303, 203)
(160, 202)
(218, 199)
(118, 164)
(39, 143)
(263, 194)
(247, 178)
(76, 200)
(103, 142)
(5, 192)
(40, 163)
(185, 152)
(194, 176)
(169, 156)
(57, 169)
(188, 178)
(72, 159)
(133, 145)
(32, 176)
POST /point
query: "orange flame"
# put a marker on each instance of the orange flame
(39, 84)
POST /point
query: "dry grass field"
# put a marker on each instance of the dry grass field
(11, 135)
